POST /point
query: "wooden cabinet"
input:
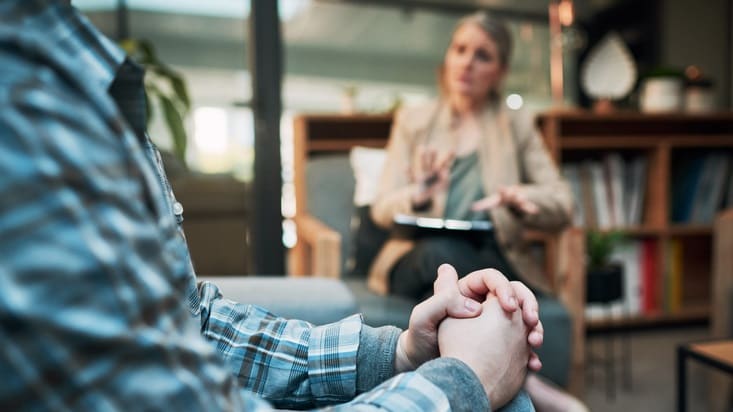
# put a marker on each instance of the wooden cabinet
(666, 142)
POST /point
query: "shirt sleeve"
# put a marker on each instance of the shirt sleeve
(290, 363)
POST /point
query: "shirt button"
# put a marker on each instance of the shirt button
(178, 208)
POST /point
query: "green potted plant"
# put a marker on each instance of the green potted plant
(164, 88)
(604, 277)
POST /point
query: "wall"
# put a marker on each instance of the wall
(697, 33)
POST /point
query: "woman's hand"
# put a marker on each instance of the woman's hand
(510, 196)
(433, 175)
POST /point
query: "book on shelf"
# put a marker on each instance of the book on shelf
(609, 193)
(587, 201)
(699, 184)
(650, 277)
(673, 282)
(710, 189)
(613, 165)
(600, 195)
(635, 190)
(571, 171)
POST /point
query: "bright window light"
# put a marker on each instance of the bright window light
(514, 101)
(210, 130)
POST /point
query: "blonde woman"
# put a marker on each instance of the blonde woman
(464, 156)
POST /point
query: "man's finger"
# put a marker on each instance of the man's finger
(445, 288)
(534, 364)
(528, 303)
(536, 335)
(478, 284)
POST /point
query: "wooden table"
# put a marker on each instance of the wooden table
(718, 354)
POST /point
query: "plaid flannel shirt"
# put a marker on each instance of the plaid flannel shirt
(99, 305)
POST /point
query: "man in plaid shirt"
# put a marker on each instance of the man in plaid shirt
(99, 304)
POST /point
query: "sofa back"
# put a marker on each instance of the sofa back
(330, 191)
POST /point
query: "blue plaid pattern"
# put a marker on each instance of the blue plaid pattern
(99, 305)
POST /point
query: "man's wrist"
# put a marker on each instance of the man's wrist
(402, 362)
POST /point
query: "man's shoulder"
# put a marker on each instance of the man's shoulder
(32, 82)
(18, 71)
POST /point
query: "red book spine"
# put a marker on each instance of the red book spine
(650, 277)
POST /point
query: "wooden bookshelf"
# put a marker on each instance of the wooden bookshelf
(662, 139)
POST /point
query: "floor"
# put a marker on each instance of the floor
(653, 374)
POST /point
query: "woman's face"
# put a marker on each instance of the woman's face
(472, 65)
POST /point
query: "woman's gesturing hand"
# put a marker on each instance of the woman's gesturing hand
(510, 196)
(433, 175)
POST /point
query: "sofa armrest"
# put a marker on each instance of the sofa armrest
(318, 251)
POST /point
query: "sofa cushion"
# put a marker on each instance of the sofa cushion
(380, 310)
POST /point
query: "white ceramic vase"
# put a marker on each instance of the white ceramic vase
(661, 94)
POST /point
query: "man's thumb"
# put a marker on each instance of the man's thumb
(446, 286)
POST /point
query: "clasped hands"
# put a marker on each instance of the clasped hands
(484, 320)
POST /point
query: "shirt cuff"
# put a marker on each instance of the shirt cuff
(459, 383)
(332, 353)
(376, 356)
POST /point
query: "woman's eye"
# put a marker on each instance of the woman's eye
(459, 48)
(483, 56)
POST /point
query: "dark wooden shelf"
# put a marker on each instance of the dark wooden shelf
(690, 230)
(696, 313)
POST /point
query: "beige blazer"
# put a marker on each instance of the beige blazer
(511, 153)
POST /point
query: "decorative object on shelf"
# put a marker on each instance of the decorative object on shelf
(699, 91)
(609, 73)
(348, 99)
(661, 91)
(166, 87)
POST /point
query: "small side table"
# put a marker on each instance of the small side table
(718, 354)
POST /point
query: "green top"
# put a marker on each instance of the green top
(465, 188)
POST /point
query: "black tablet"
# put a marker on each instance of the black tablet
(409, 226)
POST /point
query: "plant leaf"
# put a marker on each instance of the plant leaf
(174, 121)
(176, 81)
(179, 88)
(149, 113)
(146, 52)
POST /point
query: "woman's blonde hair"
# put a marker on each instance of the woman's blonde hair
(499, 33)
